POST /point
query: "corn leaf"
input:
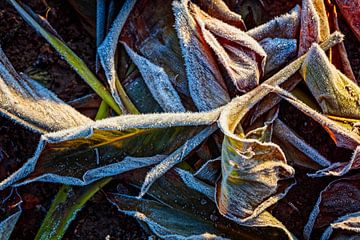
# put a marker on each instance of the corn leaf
(28, 103)
(184, 207)
(241, 56)
(79, 156)
(149, 32)
(158, 83)
(206, 84)
(286, 135)
(345, 227)
(332, 204)
(10, 212)
(255, 174)
(74, 61)
(106, 52)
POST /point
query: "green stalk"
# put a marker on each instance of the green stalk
(70, 57)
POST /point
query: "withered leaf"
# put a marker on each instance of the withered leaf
(106, 51)
(241, 56)
(255, 174)
(310, 26)
(206, 84)
(158, 83)
(28, 103)
(79, 156)
(333, 204)
(183, 207)
(336, 94)
(345, 227)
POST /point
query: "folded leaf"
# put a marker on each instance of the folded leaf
(106, 52)
(219, 10)
(149, 31)
(346, 227)
(241, 56)
(209, 171)
(340, 168)
(342, 136)
(332, 204)
(158, 83)
(85, 154)
(336, 94)
(206, 84)
(284, 26)
(255, 174)
(183, 208)
(287, 135)
(310, 26)
(175, 158)
(28, 103)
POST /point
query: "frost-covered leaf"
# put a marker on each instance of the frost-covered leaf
(70, 200)
(206, 84)
(79, 156)
(332, 203)
(74, 61)
(336, 94)
(310, 26)
(345, 227)
(158, 83)
(100, 26)
(338, 53)
(28, 103)
(183, 207)
(10, 211)
(106, 52)
(149, 31)
(219, 10)
(351, 12)
(286, 135)
(175, 158)
(255, 174)
(209, 171)
(284, 26)
(279, 51)
(342, 136)
(340, 168)
(240, 55)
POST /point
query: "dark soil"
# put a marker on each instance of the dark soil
(99, 219)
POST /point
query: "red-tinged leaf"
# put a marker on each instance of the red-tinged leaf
(310, 26)
(206, 84)
(219, 10)
(339, 198)
(338, 54)
(241, 56)
(350, 9)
